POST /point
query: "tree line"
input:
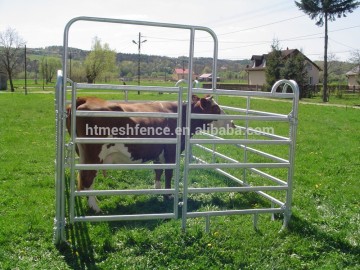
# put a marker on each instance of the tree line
(101, 63)
(105, 64)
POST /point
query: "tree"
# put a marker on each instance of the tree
(274, 63)
(290, 66)
(323, 11)
(295, 69)
(49, 67)
(11, 53)
(99, 60)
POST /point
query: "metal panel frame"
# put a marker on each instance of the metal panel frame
(65, 152)
(246, 144)
(63, 161)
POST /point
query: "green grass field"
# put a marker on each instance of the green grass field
(324, 232)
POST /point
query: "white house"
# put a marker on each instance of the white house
(256, 71)
(353, 77)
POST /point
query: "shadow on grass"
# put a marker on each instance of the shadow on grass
(78, 250)
(331, 242)
(140, 205)
(80, 253)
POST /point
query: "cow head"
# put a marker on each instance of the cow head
(207, 105)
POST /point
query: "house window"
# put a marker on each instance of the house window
(309, 66)
(311, 80)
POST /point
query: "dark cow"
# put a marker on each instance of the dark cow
(121, 153)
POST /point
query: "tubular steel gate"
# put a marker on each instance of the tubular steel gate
(254, 160)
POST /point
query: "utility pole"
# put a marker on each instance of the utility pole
(70, 57)
(25, 72)
(139, 42)
(183, 66)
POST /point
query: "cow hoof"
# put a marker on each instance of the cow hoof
(93, 205)
(97, 210)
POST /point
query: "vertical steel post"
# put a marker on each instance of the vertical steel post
(188, 125)
(178, 154)
(72, 147)
(59, 221)
(246, 136)
(292, 135)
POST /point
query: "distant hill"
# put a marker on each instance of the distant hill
(152, 63)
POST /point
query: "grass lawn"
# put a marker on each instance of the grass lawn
(346, 98)
(324, 232)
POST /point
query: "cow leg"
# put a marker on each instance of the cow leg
(169, 156)
(86, 181)
(168, 176)
(158, 173)
(92, 202)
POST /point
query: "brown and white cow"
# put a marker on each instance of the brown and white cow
(121, 153)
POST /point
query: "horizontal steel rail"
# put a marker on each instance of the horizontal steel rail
(234, 212)
(238, 165)
(243, 183)
(265, 175)
(125, 114)
(243, 93)
(235, 189)
(261, 193)
(124, 166)
(261, 133)
(263, 154)
(127, 87)
(124, 217)
(268, 176)
(91, 140)
(250, 149)
(124, 192)
(246, 131)
(239, 141)
(240, 117)
(255, 112)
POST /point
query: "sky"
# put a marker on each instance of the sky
(243, 27)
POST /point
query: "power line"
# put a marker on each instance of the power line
(253, 43)
(259, 26)
(257, 43)
(254, 13)
(303, 37)
(333, 40)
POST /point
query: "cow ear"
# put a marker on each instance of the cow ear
(195, 98)
(205, 103)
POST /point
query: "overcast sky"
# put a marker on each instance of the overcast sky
(243, 27)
